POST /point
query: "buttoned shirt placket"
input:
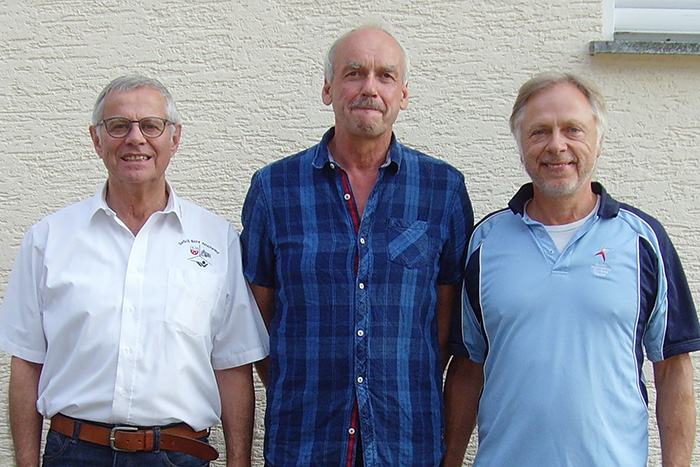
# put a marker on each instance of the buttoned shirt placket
(132, 320)
(361, 415)
(559, 261)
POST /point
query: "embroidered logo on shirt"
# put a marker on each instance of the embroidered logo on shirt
(602, 253)
(201, 253)
(602, 268)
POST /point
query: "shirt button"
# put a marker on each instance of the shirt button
(351, 431)
(362, 286)
(332, 166)
(360, 333)
(360, 379)
(122, 392)
(347, 196)
(362, 241)
(551, 252)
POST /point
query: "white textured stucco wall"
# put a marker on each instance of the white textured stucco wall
(247, 77)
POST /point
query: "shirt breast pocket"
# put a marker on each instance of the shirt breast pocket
(409, 243)
(191, 297)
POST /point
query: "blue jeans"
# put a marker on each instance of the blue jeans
(65, 451)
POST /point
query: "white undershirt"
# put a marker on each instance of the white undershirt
(562, 234)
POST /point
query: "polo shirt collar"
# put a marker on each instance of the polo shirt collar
(607, 210)
(322, 157)
(98, 203)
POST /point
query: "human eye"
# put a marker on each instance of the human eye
(151, 124)
(575, 131)
(118, 126)
(387, 73)
(351, 70)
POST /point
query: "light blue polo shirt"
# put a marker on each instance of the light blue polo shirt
(561, 334)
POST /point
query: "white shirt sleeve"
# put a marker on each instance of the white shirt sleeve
(21, 329)
(240, 336)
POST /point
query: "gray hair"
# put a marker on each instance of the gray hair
(129, 83)
(328, 62)
(544, 81)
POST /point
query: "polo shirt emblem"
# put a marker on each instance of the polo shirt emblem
(602, 253)
(601, 268)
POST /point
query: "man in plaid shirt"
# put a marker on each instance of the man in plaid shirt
(354, 250)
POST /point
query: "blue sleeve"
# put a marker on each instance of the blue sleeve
(682, 330)
(673, 327)
(466, 330)
(461, 223)
(256, 242)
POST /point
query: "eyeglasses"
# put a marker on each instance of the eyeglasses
(119, 127)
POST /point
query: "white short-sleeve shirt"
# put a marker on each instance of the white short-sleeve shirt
(130, 329)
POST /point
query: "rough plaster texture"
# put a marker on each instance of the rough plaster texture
(247, 76)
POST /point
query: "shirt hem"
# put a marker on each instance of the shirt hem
(240, 359)
(683, 347)
(22, 352)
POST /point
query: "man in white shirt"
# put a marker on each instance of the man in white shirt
(127, 314)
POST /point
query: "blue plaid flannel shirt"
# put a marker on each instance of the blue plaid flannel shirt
(354, 317)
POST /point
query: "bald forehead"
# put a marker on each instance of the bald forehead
(368, 34)
(370, 38)
(368, 45)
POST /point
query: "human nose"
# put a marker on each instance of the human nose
(556, 143)
(369, 85)
(135, 133)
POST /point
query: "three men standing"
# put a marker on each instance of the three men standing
(133, 329)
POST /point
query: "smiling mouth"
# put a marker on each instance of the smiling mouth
(560, 164)
(135, 158)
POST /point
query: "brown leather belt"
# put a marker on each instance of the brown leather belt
(180, 438)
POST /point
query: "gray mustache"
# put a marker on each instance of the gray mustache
(368, 104)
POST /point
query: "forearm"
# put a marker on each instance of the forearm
(448, 304)
(675, 409)
(25, 421)
(263, 369)
(237, 413)
(265, 299)
(463, 387)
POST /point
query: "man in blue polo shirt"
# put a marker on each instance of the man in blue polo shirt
(355, 249)
(564, 291)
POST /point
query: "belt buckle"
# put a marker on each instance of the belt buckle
(113, 434)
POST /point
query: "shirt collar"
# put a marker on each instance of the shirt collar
(99, 203)
(323, 158)
(608, 206)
